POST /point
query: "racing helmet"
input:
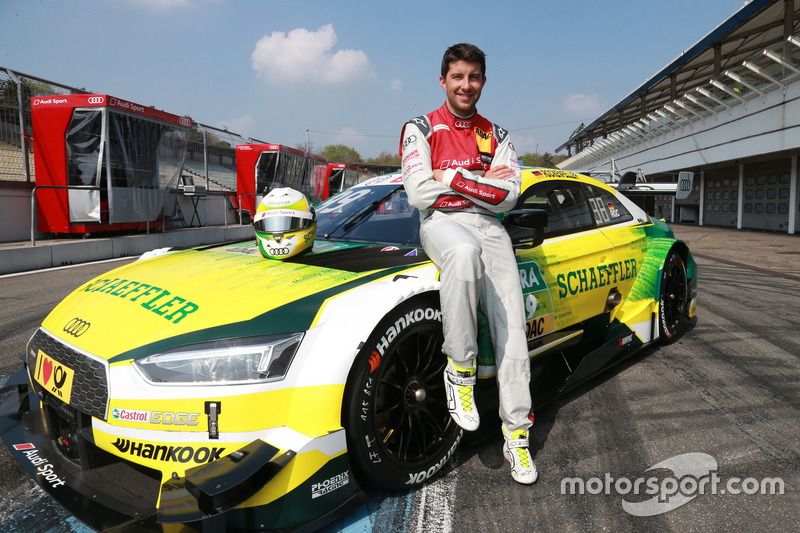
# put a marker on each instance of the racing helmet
(285, 224)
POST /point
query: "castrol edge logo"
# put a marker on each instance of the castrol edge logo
(165, 418)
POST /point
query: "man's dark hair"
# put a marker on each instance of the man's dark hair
(466, 52)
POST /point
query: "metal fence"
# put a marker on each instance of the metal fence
(210, 156)
(16, 91)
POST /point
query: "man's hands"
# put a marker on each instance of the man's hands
(500, 172)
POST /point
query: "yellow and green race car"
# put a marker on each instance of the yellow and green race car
(212, 389)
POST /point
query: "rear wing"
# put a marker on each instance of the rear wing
(630, 187)
(635, 183)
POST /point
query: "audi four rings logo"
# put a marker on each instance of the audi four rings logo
(279, 251)
(96, 99)
(463, 124)
(77, 327)
(186, 121)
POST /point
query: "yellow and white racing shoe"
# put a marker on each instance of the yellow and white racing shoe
(458, 383)
(515, 450)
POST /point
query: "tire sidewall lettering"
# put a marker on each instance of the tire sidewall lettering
(369, 454)
(669, 332)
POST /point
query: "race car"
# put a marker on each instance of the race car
(221, 390)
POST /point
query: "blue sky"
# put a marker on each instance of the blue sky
(351, 72)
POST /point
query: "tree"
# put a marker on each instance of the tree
(546, 160)
(312, 149)
(340, 153)
(385, 158)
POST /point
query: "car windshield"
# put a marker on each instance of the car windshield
(373, 214)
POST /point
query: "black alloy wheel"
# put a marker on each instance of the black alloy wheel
(399, 430)
(674, 299)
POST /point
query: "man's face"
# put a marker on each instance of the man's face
(463, 85)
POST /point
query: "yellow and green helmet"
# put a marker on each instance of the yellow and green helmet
(285, 224)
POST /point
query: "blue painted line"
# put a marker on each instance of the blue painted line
(384, 511)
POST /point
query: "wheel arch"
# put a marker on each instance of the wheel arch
(682, 249)
(381, 323)
(346, 322)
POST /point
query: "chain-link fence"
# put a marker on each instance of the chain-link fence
(16, 90)
(210, 156)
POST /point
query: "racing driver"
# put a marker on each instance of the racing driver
(459, 170)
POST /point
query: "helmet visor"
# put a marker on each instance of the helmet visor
(282, 220)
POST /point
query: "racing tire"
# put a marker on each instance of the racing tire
(399, 431)
(673, 301)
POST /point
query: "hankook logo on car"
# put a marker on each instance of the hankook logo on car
(173, 454)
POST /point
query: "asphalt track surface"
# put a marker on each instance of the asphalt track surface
(728, 391)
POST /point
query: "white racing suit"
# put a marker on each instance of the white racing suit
(462, 235)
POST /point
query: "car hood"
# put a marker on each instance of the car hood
(214, 293)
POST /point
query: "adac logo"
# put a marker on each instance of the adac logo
(77, 327)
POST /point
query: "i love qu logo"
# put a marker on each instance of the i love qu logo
(54, 377)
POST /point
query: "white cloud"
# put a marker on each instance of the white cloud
(583, 105)
(304, 56)
(395, 85)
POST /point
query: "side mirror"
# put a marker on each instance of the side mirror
(526, 227)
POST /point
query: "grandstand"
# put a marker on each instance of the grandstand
(221, 171)
(12, 166)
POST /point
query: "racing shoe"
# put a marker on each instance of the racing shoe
(515, 450)
(458, 383)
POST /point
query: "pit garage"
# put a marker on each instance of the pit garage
(728, 110)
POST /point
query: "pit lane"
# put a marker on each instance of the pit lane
(730, 388)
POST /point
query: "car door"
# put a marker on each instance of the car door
(566, 280)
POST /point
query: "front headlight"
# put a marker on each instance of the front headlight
(248, 360)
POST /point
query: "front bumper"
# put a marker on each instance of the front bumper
(111, 494)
